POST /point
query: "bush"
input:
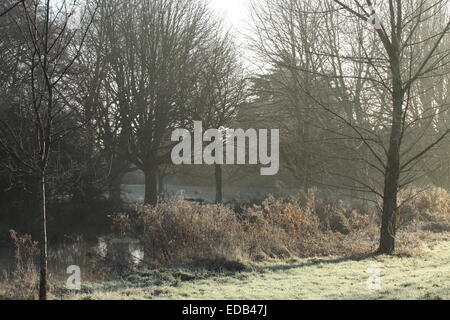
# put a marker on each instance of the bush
(429, 209)
(173, 233)
(22, 283)
(301, 226)
(185, 232)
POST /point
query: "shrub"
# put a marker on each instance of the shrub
(185, 232)
(174, 233)
(22, 284)
(429, 209)
(301, 226)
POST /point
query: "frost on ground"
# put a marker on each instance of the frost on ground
(423, 276)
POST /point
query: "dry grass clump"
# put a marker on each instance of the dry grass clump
(303, 226)
(180, 232)
(428, 209)
(21, 283)
(21, 280)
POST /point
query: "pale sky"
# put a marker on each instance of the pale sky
(237, 14)
(235, 11)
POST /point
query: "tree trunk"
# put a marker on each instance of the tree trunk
(307, 155)
(151, 186)
(219, 189)
(43, 235)
(392, 175)
(115, 189)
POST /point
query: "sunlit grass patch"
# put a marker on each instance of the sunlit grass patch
(423, 276)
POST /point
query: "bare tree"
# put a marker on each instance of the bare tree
(374, 65)
(409, 60)
(302, 48)
(53, 42)
(106, 142)
(11, 7)
(157, 53)
(220, 93)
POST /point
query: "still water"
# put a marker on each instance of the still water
(82, 253)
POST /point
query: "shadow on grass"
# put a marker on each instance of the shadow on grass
(319, 261)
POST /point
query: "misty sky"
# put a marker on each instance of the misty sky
(237, 15)
(235, 11)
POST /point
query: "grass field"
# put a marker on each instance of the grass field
(423, 276)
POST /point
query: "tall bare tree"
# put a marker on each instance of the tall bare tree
(220, 94)
(157, 53)
(52, 40)
(106, 142)
(374, 66)
(410, 57)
